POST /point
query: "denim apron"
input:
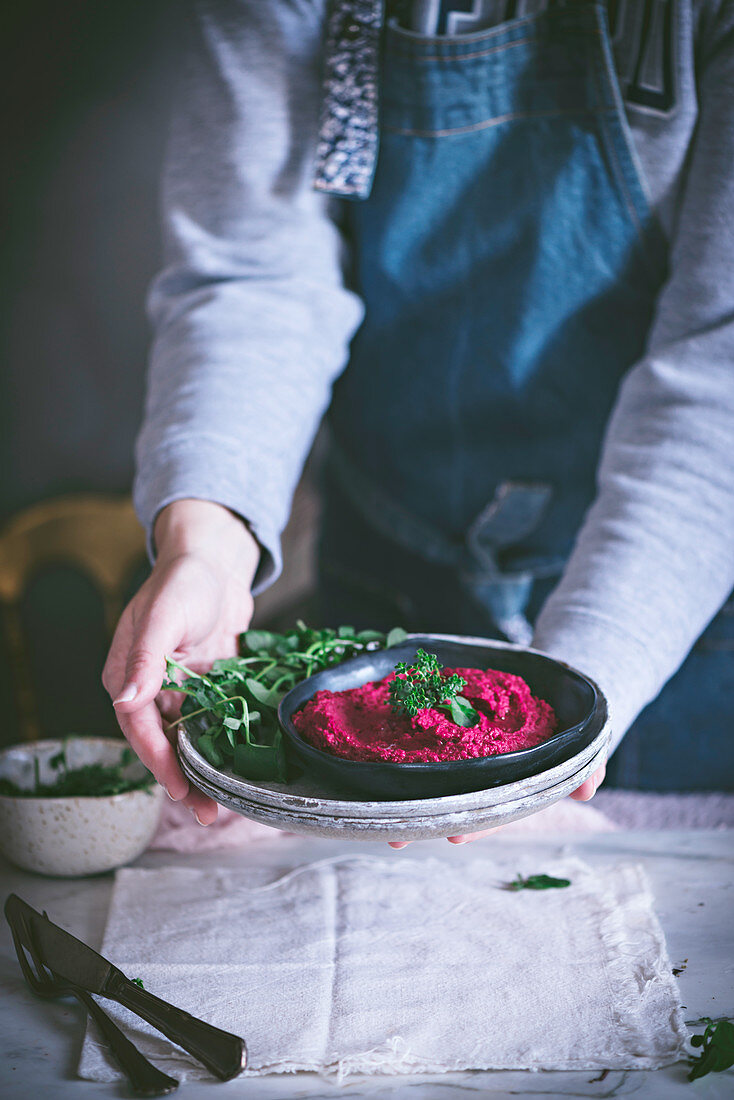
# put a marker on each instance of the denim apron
(509, 263)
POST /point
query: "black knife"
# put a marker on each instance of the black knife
(220, 1051)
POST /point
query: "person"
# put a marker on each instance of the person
(507, 251)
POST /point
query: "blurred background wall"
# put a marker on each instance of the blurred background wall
(87, 87)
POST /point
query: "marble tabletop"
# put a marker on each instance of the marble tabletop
(692, 876)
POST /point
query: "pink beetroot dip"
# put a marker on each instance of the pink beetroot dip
(360, 724)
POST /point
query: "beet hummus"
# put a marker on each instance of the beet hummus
(360, 724)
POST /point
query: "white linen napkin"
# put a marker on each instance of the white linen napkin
(373, 965)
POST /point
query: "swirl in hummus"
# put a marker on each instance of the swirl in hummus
(360, 724)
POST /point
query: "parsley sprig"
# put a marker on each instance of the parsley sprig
(422, 685)
(236, 702)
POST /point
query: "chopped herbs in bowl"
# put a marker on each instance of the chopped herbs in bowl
(86, 781)
(75, 806)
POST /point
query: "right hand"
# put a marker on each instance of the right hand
(192, 608)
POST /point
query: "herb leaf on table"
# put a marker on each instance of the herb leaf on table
(717, 1053)
(422, 685)
(238, 698)
(538, 882)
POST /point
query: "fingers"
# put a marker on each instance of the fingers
(589, 787)
(113, 673)
(463, 839)
(169, 705)
(145, 663)
(466, 837)
(144, 732)
(133, 675)
(204, 809)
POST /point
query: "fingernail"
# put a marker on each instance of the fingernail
(127, 694)
(169, 794)
(459, 840)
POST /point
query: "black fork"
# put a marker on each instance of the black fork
(145, 1079)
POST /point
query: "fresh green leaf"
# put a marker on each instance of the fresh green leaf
(209, 750)
(396, 637)
(266, 696)
(462, 712)
(257, 640)
(539, 882)
(717, 1054)
(138, 981)
(259, 762)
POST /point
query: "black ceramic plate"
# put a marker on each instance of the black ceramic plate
(572, 696)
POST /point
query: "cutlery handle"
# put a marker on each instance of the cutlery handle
(145, 1079)
(220, 1051)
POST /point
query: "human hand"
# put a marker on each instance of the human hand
(191, 608)
(586, 791)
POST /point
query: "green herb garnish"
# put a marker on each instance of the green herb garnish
(717, 1043)
(538, 882)
(421, 686)
(88, 781)
(238, 698)
(138, 982)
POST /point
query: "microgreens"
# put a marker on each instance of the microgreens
(421, 686)
(238, 698)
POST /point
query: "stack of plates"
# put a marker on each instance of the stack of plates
(309, 806)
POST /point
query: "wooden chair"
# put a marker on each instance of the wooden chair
(98, 535)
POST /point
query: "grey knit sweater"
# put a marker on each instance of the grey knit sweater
(253, 322)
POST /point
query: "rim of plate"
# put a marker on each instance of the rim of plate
(277, 796)
(438, 824)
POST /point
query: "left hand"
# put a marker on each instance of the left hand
(586, 791)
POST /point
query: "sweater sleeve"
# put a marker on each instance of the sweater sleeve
(251, 318)
(654, 559)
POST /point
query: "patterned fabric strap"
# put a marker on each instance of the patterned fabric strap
(346, 154)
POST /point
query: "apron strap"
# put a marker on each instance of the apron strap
(346, 152)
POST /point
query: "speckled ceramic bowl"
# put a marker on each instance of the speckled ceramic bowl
(74, 836)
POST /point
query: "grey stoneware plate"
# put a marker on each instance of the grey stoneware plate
(572, 696)
(308, 814)
(312, 805)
